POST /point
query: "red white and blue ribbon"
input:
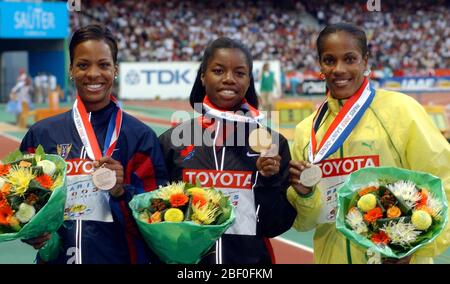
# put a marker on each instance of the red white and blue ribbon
(86, 132)
(342, 125)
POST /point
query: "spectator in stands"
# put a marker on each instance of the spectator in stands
(224, 93)
(276, 32)
(393, 130)
(104, 230)
(20, 99)
(269, 86)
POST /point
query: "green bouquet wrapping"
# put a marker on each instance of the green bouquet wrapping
(32, 194)
(181, 222)
(391, 211)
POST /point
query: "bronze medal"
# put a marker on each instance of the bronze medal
(104, 178)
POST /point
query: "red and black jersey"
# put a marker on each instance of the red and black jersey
(196, 151)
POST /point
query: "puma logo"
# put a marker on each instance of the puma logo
(368, 145)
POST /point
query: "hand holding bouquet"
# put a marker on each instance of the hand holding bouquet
(391, 211)
(32, 194)
(180, 221)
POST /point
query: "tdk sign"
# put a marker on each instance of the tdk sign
(146, 80)
(160, 77)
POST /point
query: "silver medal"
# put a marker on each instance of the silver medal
(311, 176)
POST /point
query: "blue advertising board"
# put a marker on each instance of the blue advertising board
(25, 20)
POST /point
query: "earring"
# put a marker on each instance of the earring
(70, 78)
(366, 73)
(115, 77)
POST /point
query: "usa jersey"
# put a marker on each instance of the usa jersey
(116, 238)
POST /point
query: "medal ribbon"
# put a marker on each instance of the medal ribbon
(342, 125)
(86, 132)
(211, 110)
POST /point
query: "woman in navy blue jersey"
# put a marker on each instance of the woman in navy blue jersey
(99, 227)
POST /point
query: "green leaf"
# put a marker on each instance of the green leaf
(40, 153)
(13, 157)
(406, 210)
(187, 215)
(197, 182)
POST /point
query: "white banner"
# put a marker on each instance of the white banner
(170, 80)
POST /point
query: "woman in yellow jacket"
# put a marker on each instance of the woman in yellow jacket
(358, 127)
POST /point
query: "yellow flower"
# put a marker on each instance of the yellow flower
(421, 220)
(19, 178)
(196, 190)
(367, 202)
(204, 214)
(173, 188)
(173, 215)
(213, 196)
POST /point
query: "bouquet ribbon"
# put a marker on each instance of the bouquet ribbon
(86, 132)
(343, 124)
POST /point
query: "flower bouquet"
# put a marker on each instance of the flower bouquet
(32, 194)
(391, 211)
(180, 222)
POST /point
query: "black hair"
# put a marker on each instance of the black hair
(358, 34)
(93, 32)
(198, 92)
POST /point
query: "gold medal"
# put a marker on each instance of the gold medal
(260, 140)
(104, 178)
(311, 176)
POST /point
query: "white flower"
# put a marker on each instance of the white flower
(401, 232)
(434, 205)
(405, 190)
(373, 257)
(48, 167)
(2, 182)
(355, 220)
(170, 189)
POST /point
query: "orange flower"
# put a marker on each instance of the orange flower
(155, 218)
(5, 189)
(380, 238)
(45, 181)
(423, 197)
(426, 209)
(394, 212)
(5, 212)
(198, 198)
(366, 190)
(178, 199)
(373, 215)
(4, 170)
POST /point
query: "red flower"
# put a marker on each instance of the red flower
(5, 212)
(198, 198)
(380, 238)
(179, 199)
(4, 170)
(45, 181)
(373, 215)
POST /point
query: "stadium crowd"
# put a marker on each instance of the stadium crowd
(410, 36)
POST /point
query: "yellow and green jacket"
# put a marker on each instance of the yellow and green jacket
(394, 131)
